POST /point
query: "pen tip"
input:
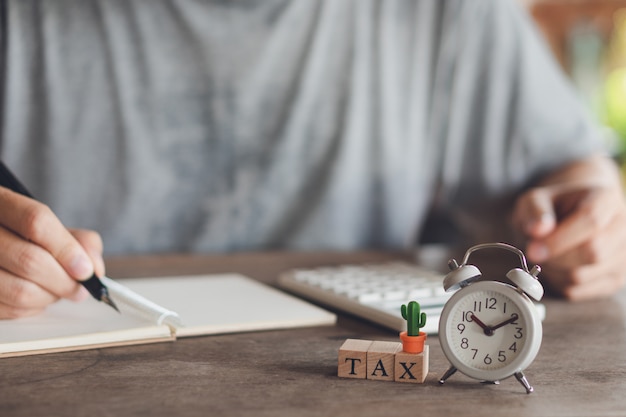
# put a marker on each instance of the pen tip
(107, 300)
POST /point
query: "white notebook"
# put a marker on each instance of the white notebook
(157, 310)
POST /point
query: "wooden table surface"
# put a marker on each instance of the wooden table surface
(580, 369)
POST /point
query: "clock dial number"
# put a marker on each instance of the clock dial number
(489, 330)
(467, 316)
(479, 322)
(512, 320)
(489, 303)
(496, 335)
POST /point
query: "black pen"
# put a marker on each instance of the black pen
(95, 287)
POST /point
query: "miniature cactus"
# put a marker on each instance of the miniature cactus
(414, 320)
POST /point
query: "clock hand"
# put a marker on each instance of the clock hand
(487, 329)
(513, 318)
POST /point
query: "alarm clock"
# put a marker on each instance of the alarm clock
(491, 330)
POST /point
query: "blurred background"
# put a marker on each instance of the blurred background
(588, 38)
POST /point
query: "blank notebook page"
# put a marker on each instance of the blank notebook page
(77, 324)
(208, 304)
(211, 304)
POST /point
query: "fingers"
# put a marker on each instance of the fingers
(581, 215)
(593, 269)
(594, 212)
(534, 213)
(8, 312)
(31, 262)
(596, 288)
(20, 297)
(36, 223)
(585, 282)
(604, 247)
(40, 260)
(579, 249)
(92, 243)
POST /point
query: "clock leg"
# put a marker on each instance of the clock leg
(447, 375)
(522, 380)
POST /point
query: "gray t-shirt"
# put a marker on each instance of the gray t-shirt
(241, 125)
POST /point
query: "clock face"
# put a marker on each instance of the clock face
(490, 331)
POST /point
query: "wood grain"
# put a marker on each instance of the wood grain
(580, 369)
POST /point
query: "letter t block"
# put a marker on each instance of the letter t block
(353, 359)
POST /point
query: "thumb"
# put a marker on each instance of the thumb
(534, 212)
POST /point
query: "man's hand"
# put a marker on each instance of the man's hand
(575, 225)
(40, 260)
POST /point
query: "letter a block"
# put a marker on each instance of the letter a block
(411, 367)
(353, 358)
(380, 360)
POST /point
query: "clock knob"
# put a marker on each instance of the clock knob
(459, 276)
(527, 282)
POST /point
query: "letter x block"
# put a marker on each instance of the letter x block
(411, 367)
(353, 358)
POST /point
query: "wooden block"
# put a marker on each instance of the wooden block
(353, 358)
(411, 367)
(380, 360)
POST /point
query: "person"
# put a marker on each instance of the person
(305, 125)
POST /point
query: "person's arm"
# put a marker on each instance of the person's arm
(40, 259)
(575, 224)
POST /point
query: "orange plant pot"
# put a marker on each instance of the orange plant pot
(413, 344)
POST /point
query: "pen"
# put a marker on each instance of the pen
(95, 287)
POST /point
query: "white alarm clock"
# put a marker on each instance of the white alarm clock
(491, 330)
